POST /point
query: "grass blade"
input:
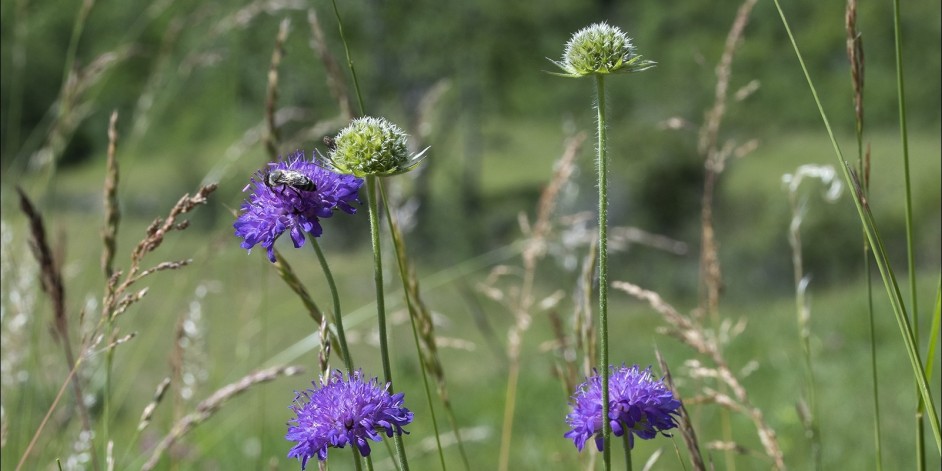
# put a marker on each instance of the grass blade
(876, 245)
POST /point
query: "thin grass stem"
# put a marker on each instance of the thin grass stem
(803, 317)
(910, 254)
(335, 298)
(346, 50)
(410, 305)
(52, 407)
(855, 54)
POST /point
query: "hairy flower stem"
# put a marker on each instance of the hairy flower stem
(371, 198)
(335, 297)
(603, 270)
(626, 441)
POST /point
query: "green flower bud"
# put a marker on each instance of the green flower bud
(600, 49)
(372, 146)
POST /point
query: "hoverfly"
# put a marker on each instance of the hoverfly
(292, 179)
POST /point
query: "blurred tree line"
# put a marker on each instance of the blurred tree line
(189, 78)
(195, 61)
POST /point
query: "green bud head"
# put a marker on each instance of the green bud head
(600, 49)
(370, 146)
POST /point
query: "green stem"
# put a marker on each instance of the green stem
(410, 304)
(910, 254)
(878, 440)
(626, 439)
(603, 270)
(377, 256)
(378, 275)
(346, 50)
(878, 248)
(106, 407)
(865, 187)
(804, 327)
(335, 297)
(371, 198)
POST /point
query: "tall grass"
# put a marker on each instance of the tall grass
(910, 341)
(106, 383)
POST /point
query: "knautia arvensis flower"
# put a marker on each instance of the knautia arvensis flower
(292, 196)
(639, 404)
(600, 49)
(339, 411)
(372, 146)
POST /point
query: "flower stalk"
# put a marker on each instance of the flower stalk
(600, 50)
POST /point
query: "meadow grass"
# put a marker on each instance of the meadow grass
(214, 325)
(252, 327)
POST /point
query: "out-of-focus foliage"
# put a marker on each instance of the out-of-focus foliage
(190, 83)
(198, 68)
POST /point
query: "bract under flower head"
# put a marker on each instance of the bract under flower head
(372, 146)
(338, 412)
(600, 49)
(638, 404)
(272, 210)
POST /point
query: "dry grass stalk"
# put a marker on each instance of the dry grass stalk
(271, 95)
(112, 210)
(583, 320)
(564, 367)
(323, 355)
(157, 81)
(291, 279)
(212, 404)
(241, 18)
(148, 412)
(685, 426)
(690, 332)
(45, 420)
(335, 79)
(855, 53)
(70, 109)
(117, 299)
(51, 283)
(50, 273)
(520, 299)
(422, 323)
(714, 161)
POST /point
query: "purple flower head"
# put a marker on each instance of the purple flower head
(339, 412)
(276, 207)
(638, 404)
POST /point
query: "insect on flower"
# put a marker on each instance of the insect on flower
(293, 179)
(330, 142)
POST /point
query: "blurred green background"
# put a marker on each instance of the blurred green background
(188, 80)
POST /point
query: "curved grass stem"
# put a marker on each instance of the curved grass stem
(335, 298)
(408, 294)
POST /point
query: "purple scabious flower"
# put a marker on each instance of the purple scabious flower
(638, 404)
(340, 412)
(271, 210)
